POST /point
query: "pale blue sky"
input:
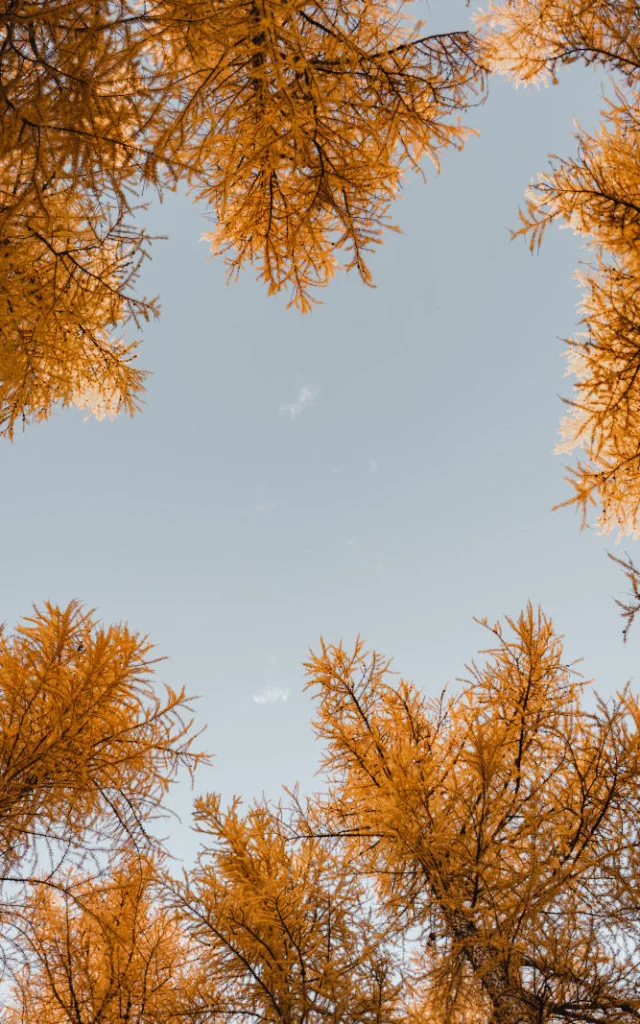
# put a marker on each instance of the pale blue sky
(411, 492)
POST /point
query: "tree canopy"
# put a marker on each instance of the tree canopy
(501, 823)
(88, 751)
(102, 951)
(596, 192)
(473, 858)
(291, 123)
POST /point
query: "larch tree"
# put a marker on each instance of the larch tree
(88, 751)
(72, 110)
(296, 120)
(597, 193)
(292, 121)
(471, 860)
(501, 825)
(286, 930)
(111, 952)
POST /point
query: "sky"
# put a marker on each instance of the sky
(382, 466)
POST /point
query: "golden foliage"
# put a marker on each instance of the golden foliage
(597, 194)
(529, 39)
(502, 822)
(87, 748)
(472, 860)
(65, 279)
(111, 953)
(282, 923)
(71, 107)
(295, 120)
(291, 120)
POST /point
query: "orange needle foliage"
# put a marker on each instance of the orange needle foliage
(473, 860)
(65, 278)
(87, 748)
(501, 823)
(284, 928)
(295, 119)
(597, 193)
(529, 39)
(111, 953)
(291, 119)
(71, 106)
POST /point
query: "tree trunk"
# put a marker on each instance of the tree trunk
(511, 1004)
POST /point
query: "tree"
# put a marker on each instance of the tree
(292, 122)
(472, 860)
(65, 282)
(318, 105)
(72, 112)
(112, 952)
(596, 193)
(501, 823)
(283, 926)
(87, 749)
(528, 40)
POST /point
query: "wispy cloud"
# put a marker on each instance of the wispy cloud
(270, 696)
(264, 507)
(306, 395)
(373, 465)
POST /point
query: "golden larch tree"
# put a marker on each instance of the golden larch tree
(500, 824)
(88, 749)
(72, 110)
(597, 193)
(529, 40)
(110, 952)
(296, 120)
(291, 121)
(286, 929)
